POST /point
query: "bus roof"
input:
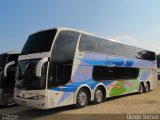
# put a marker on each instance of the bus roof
(80, 31)
(65, 28)
(11, 52)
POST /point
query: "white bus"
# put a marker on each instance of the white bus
(63, 66)
(8, 63)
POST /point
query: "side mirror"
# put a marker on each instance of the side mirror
(39, 66)
(6, 67)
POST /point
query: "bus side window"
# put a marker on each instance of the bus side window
(62, 58)
(103, 73)
(59, 74)
(111, 73)
(12, 58)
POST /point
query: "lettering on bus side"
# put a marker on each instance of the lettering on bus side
(115, 61)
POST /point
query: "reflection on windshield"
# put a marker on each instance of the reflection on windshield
(26, 76)
(1, 72)
(3, 58)
(39, 42)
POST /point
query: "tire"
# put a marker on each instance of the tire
(147, 87)
(82, 98)
(141, 88)
(98, 96)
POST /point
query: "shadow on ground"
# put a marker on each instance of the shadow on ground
(36, 113)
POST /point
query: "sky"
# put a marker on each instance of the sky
(134, 22)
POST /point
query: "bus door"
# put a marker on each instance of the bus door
(59, 76)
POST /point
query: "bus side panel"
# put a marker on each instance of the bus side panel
(148, 75)
(53, 98)
(121, 87)
(154, 79)
(61, 96)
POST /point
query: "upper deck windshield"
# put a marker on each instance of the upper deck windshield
(39, 42)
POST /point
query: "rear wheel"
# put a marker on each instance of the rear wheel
(147, 87)
(141, 88)
(82, 98)
(98, 96)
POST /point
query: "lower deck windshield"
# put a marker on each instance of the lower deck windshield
(26, 76)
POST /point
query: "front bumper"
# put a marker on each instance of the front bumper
(39, 104)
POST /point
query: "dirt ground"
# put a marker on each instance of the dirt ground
(118, 108)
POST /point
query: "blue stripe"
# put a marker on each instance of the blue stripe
(73, 86)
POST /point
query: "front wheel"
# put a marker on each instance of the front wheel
(82, 98)
(147, 87)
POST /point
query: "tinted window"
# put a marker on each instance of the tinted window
(103, 73)
(115, 46)
(121, 49)
(26, 78)
(94, 44)
(144, 54)
(62, 58)
(148, 55)
(152, 56)
(59, 74)
(39, 42)
(89, 43)
(139, 53)
(13, 57)
(3, 59)
(126, 73)
(65, 45)
(9, 81)
(129, 51)
(110, 73)
(106, 47)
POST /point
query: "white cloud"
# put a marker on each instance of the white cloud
(155, 47)
(125, 39)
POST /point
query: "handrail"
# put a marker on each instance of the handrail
(6, 67)
(39, 66)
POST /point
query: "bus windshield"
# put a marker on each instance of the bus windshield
(3, 58)
(26, 78)
(39, 42)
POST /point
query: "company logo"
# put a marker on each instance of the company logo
(115, 61)
(119, 62)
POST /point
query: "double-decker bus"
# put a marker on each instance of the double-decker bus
(63, 66)
(8, 63)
